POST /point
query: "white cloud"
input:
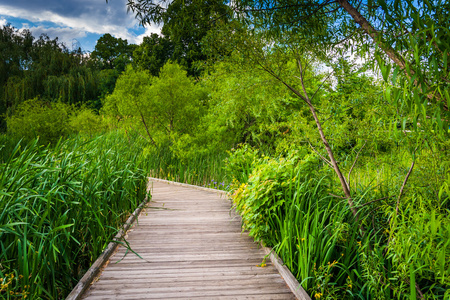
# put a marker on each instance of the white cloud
(65, 35)
(77, 18)
(148, 31)
(3, 22)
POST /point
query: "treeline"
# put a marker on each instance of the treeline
(47, 70)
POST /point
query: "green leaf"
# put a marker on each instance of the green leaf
(416, 53)
(394, 74)
(412, 282)
(62, 227)
(388, 93)
(447, 96)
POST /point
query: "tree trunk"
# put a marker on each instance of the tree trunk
(333, 161)
(146, 129)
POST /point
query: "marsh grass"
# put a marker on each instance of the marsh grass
(292, 204)
(203, 169)
(60, 206)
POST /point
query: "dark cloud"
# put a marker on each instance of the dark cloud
(73, 8)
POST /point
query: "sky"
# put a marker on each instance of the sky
(75, 22)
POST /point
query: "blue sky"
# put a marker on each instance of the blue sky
(74, 22)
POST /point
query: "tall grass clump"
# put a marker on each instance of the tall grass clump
(292, 204)
(199, 169)
(59, 208)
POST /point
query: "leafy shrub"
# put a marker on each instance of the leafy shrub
(86, 121)
(241, 162)
(267, 190)
(36, 118)
(286, 203)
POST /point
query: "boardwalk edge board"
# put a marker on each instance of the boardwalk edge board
(94, 270)
(285, 273)
(189, 185)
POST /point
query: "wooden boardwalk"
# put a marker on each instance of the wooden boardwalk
(192, 248)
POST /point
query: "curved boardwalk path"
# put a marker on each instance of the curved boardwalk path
(192, 248)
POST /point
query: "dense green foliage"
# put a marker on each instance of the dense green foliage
(46, 69)
(408, 40)
(59, 208)
(289, 203)
(50, 121)
(153, 53)
(327, 121)
(185, 24)
(112, 53)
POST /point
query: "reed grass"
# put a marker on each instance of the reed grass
(59, 208)
(290, 203)
(203, 169)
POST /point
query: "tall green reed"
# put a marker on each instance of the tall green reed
(60, 206)
(293, 204)
(201, 169)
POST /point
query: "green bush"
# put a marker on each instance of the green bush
(268, 188)
(86, 121)
(35, 118)
(289, 204)
(241, 162)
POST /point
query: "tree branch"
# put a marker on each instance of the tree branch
(323, 158)
(390, 52)
(354, 163)
(403, 185)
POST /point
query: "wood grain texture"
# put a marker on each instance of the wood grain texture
(189, 245)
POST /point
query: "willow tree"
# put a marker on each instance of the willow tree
(410, 40)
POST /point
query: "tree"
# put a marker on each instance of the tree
(46, 69)
(167, 106)
(131, 97)
(246, 105)
(15, 49)
(178, 101)
(185, 23)
(153, 53)
(410, 41)
(272, 54)
(113, 53)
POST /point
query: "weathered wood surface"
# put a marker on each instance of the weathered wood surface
(191, 247)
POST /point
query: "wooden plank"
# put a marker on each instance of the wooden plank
(93, 271)
(197, 281)
(191, 246)
(242, 297)
(214, 292)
